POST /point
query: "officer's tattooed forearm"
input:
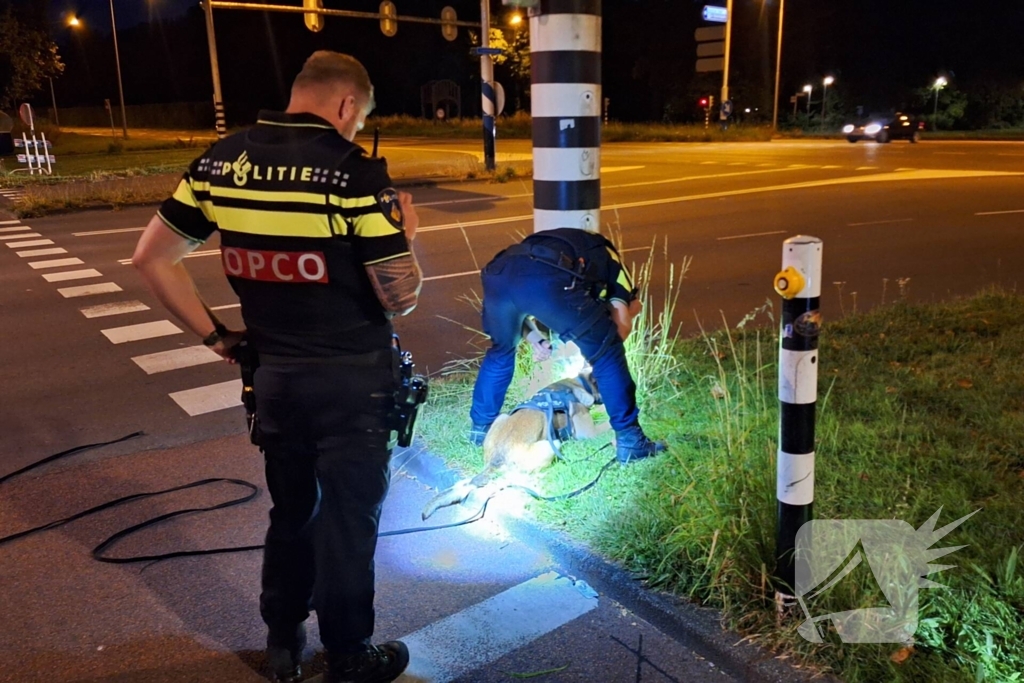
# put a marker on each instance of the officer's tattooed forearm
(397, 283)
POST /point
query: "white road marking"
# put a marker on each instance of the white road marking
(20, 236)
(616, 169)
(445, 277)
(753, 234)
(998, 213)
(831, 167)
(119, 308)
(106, 232)
(56, 263)
(176, 359)
(10, 223)
(887, 222)
(194, 254)
(89, 290)
(900, 170)
(72, 275)
(130, 333)
(626, 251)
(225, 307)
(454, 646)
(30, 243)
(42, 252)
(952, 153)
(866, 168)
(209, 398)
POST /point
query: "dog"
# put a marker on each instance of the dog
(525, 440)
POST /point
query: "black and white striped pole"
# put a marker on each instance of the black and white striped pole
(799, 285)
(565, 91)
(218, 99)
(488, 93)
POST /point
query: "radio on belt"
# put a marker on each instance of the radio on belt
(410, 394)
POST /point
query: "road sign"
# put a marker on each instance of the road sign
(711, 49)
(314, 21)
(487, 51)
(714, 13)
(711, 64)
(499, 96)
(707, 33)
(36, 158)
(521, 3)
(19, 142)
(448, 29)
(388, 18)
(25, 112)
(726, 110)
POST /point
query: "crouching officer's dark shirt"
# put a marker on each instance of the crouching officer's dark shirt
(594, 254)
(301, 212)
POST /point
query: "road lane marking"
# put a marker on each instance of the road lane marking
(130, 333)
(886, 222)
(998, 213)
(20, 235)
(210, 398)
(866, 168)
(451, 275)
(42, 252)
(175, 359)
(119, 308)
(830, 167)
(72, 275)
(900, 170)
(753, 234)
(626, 251)
(106, 232)
(465, 641)
(89, 290)
(30, 243)
(952, 153)
(56, 263)
(194, 254)
(225, 307)
(617, 169)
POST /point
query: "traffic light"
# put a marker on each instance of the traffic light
(703, 103)
(314, 22)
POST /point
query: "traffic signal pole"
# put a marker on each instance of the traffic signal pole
(565, 87)
(728, 49)
(218, 99)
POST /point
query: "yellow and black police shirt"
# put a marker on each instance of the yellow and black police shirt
(301, 211)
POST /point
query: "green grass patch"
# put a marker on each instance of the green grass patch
(920, 407)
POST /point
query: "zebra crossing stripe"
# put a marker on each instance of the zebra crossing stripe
(20, 228)
(457, 645)
(20, 236)
(175, 359)
(89, 290)
(55, 263)
(42, 252)
(30, 243)
(104, 310)
(9, 223)
(209, 399)
(72, 275)
(130, 333)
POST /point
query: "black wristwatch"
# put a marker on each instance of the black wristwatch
(212, 339)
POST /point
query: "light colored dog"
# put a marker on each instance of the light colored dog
(522, 442)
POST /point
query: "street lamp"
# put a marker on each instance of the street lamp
(940, 83)
(829, 80)
(778, 66)
(117, 59)
(808, 89)
(515, 19)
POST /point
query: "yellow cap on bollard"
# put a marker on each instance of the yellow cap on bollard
(789, 283)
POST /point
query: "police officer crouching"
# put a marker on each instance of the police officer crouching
(316, 244)
(573, 281)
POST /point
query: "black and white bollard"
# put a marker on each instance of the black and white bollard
(488, 93)
(799, 284)
(565, 89)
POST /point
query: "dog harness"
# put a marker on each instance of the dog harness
(550, 402)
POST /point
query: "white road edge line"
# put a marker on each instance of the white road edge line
(451, 275)
(465, 641)
(225, 307)
(130, 333)
(886, 222)
(998, 213)
(106, 232)
(753, 234)
(194, 254)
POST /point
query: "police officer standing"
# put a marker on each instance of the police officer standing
(317, 245)
(573, 282)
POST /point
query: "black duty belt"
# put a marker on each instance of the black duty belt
(371, 359)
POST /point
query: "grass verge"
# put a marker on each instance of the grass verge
(921, 407)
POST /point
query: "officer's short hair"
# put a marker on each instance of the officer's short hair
(326, 67)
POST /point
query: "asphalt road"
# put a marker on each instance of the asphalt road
(940, 218)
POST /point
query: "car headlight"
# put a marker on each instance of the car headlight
(848, 128)
(873, 128)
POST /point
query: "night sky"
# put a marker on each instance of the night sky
(879, 51)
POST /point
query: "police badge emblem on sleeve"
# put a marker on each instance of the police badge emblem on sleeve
(387, 199)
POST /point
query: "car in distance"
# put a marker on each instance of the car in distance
(884, 128)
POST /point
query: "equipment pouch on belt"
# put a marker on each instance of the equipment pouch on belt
(248, 361)
(410, 394)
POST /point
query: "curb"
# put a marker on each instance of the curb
(698, 628)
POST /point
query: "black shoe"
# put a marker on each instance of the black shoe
(377, 664)
(284, 665)
(477, 434)
(631, 444)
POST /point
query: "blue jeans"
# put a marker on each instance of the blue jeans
(517, 286)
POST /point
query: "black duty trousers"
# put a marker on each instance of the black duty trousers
(326, 442)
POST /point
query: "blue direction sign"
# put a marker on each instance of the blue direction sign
(487, 50)
(714, 13)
